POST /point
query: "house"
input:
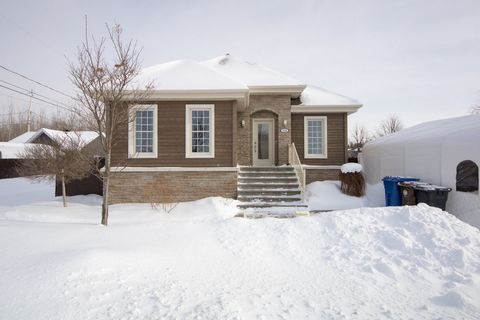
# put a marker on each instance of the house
(87, 139)
(207, 125)
(443, 152)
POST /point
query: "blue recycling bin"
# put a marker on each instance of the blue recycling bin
(393, 196)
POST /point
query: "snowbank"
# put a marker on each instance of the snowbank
(370, 263)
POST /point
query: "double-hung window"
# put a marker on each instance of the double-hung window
(142, 139)
(200, 131)
(315, 137)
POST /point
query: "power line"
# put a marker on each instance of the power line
(33, 93)
(37, 82)
(33, 97)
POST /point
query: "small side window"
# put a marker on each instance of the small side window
(467, 176)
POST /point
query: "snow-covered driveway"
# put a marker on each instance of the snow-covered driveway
(199, 263)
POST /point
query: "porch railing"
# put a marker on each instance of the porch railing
(295, 162)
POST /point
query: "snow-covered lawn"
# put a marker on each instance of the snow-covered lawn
(199, 262)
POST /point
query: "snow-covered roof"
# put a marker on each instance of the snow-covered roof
(23, 137)
(316, 96)
(249, 73)
(85, 136)
(10, 150)
(186, 75)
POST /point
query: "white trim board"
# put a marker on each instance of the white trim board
(173, 169)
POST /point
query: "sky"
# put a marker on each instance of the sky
(419, 60)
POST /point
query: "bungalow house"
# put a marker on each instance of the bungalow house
(227, 127)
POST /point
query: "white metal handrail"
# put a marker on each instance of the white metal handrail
(295, 162)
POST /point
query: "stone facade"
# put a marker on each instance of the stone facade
(277, 107)
(313, 175)
(168, 187)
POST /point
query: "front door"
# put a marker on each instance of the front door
(263, 146)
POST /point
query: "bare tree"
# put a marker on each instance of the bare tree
(105, 85)
(64, 158)
(390, 125)
(358, 138)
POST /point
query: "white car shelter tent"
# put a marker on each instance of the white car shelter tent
(431, 151)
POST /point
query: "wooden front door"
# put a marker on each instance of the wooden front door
(263, 143)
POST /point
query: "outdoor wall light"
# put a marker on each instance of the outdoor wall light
(242, 123)
(285, 122)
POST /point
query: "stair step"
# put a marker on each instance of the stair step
(270, 169)
(276, 199)
(268, 180)
(263, 192)
(266, 174)
(271, 205)
(268, 186)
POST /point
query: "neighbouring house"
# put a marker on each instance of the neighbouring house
(9, 158)
(444, 152)
(90, 141)
(210, 128)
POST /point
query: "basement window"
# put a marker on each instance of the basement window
(200, 131)
(315, 137)
(142, 138)
(467, 176)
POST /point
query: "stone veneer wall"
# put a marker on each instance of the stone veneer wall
(313, 175)
(158, 187)
(277, 104)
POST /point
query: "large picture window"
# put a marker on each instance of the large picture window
(142, 141)
(315, 137)
(200, 131)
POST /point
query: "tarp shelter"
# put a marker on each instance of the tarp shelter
(441, 152)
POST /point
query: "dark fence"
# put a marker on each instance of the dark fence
(89, 185)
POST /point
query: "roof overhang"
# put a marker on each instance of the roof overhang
(239, 95)
(294, 91)
(326, 109)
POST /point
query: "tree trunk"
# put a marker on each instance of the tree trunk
(106, 182)
(64, 190)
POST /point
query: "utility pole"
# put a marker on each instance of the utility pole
(29, 115)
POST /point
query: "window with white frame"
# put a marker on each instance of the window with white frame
(315, 137)
(200, 131)
(142, 139)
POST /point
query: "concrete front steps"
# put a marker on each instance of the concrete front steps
(269, 191)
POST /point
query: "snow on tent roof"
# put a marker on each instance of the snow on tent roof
(315, 96)
(466, 128)
(10, 150)
(23, 137)
(249, 73)
(85, 136)
(186, 75)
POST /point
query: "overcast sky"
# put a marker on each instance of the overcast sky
(417, 59)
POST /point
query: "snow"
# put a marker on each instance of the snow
(10, 150)
(23, 137)
(430, 151)
(198, 262)
(351, 167)
(85, 137)
(186, 75)
(316, 96)
(326, 195)
(249, 73)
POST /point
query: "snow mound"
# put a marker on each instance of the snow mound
(351, 167)
(326, 195)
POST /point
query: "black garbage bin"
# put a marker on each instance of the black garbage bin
(434, 196)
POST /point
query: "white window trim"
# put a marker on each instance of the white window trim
(188, 131)
(131, 131)
(307, 155)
